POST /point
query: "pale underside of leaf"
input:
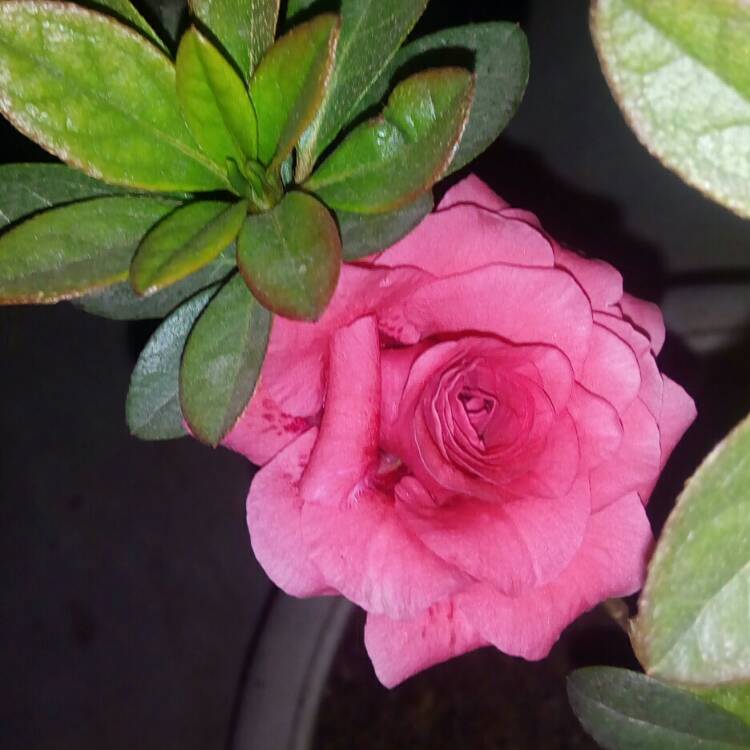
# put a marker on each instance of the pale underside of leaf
(694, 616)
(684, 112)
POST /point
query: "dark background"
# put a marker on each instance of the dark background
(129, 592)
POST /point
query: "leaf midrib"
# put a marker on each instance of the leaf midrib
(677, 43)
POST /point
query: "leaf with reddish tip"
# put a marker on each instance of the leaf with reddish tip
(245, 28)
(222, 361)
(99, 95)
(68, 251)
(289, 83)
(186, 240)
(387, 162)
(214, 102)
(291, 256)
(371, 33)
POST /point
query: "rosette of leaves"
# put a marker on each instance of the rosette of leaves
(227, 182)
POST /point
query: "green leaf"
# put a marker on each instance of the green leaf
(732, 698)
(387, 162)
(290, 257)
(186, 240)
(26, 189)
(120, 302)
(694, 619)
(371, 33)
(65, 252)
(153, 404)
(222, 360)
(245, 28)
(125, 11)
(679, 70)
(214, 102)
(625, 710)
(497, 53)
(363, 234)
(98, 95)
(289, 84)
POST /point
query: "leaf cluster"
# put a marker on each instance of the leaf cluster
(227, 183)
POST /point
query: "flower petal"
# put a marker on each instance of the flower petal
(472, 190)
(601, 282)
(513, 545)
(677, 414)
(523, 305)
(348, 443)
(274, 520)
(611, 562)
(646, 316)
(399, 649)
(365, 552)
(465, 238)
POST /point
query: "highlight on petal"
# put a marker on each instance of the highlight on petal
(348, 443)
(611, 563)
(399, 649)
(274, 520)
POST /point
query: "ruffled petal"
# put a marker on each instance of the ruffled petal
(465, 238)
(472, 190)
(611, 563)
(365, 552)
(514, 545)
(635, 465)
(601, 282)
(646, 316)
(523, 305)
(399, 649)
(677, 414)
(274, 520)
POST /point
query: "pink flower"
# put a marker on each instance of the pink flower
(464, 443)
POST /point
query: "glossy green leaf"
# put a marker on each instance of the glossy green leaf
(186, 240)
(387, 162)
(371, 33)
(497, 53)
(291, 256)
(153, 405)
(680, 71)
(214, 102)
(98, 95)
(289, 83)
(694, 619)
(68, 251)
(245, 28)
(364, 234)
(732, 698)
(26, 189)
(120, 302)
(222, 360)
(625, 710)
(125, 11)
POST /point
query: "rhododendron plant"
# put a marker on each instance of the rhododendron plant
(480, 475)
